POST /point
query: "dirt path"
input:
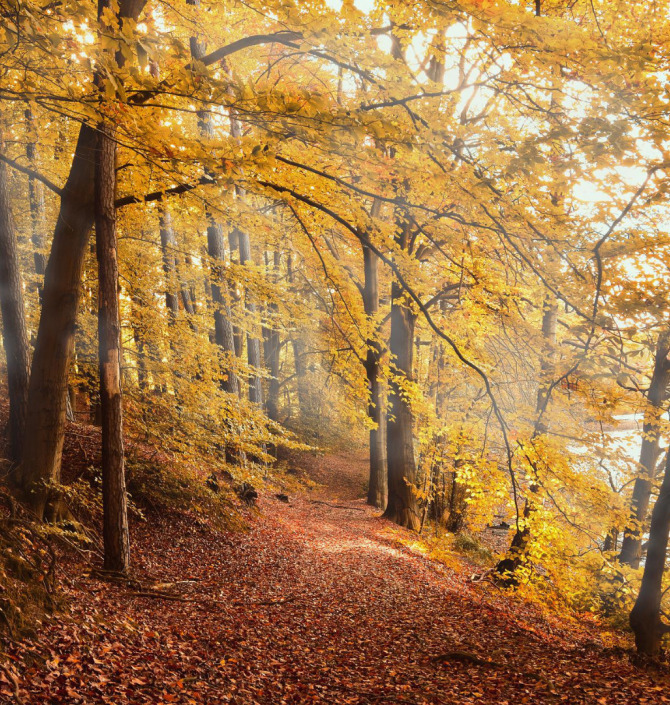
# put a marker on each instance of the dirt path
(316, 604)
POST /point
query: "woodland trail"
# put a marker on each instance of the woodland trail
(315, 604)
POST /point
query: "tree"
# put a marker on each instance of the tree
(631, 547)
(14, 334)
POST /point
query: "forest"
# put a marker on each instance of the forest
(336, 351)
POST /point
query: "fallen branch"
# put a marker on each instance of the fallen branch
(337, 506)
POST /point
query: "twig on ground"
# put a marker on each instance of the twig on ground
(337, 506)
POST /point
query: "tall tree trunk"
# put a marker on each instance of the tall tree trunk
(168, 244)
(402, 507)
(47, 391)
(631, 547)
(645, 618)
(223, 329)
(253, 343)
(377, 486)
(271, 348)
(14, 334)
(54, 346)
(114, 499)
(298, 345)
(36, 198)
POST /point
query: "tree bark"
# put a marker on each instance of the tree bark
(377, 485)
(36, 198)
(45, 419)
(223, 329)
(253, 343)
(271, 348)
(631, 547)
(645, 618)
(14, 333)
(114, 499)
(47, 390)
(168, 244)
(402, 507)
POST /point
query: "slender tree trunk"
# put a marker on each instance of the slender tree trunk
(402, 507)
(14, 334)
(631, 547)
(377, 486)
(302, 386)
(253, 343)
(168, 244)
(645, 618)
(223, 329)
(234, 247)
(271, 348)
(298, 345)
(114, 499)
(36, 198)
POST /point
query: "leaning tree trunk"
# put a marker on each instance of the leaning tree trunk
(377, 486)
(645, 618)
(114, 499)
(47, 391)
(402, 507)
(45, 419)
(631, 547)
(14, 335)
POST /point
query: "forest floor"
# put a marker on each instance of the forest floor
(320, 601)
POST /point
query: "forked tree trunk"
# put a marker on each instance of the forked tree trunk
(402, 507)
(114, 499)
(645, 618)
(378, 484)
(45, 419)
(47, 391)
(631, 547)
(14, 334)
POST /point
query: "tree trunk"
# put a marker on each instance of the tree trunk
(631, 547)
(645, 618)
(223, 329)
(301, 376)
(114, 499)
(168, 244)
(377, 486)
(47, 391)
(253, 343)
(36, 198)
(14, 334)
(271, 348)
(402, 507)
(55, 335)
